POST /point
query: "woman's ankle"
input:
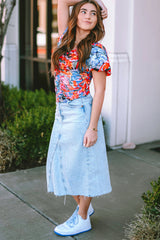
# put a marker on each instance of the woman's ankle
(83, 215)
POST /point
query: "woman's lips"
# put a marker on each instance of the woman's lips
(87, 22)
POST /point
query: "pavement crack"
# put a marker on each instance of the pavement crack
(136, 157)
(129, 154)
(32, 206)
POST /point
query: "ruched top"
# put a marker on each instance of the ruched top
(70, 82)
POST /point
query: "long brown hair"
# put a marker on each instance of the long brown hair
(85, 45)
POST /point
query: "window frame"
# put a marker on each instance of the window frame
(34, 84)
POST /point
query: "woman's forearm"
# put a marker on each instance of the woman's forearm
(69, 3)
(73, 2)
(101, 4)
(96, 109)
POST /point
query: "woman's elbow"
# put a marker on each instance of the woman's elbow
(100, 91)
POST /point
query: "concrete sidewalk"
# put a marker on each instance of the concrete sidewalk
(28, 212)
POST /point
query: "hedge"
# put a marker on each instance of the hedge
(28, 120)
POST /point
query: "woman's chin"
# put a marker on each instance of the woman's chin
(86, 28)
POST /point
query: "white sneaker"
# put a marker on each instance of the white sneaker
(74, 213)
(73, 226)
(90, 210)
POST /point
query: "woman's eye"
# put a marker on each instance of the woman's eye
(83, 12)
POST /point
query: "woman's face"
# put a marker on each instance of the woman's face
(87, 17)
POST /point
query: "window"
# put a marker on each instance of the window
(38, 38)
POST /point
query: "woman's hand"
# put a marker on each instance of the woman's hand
(90, 138)
(104, 12)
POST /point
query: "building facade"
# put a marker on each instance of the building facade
(131, 108)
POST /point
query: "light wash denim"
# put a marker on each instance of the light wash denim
(71, 168)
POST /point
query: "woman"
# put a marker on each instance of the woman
(77, 162)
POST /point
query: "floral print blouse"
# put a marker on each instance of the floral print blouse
(70, 83)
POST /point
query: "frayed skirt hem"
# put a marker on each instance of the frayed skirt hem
(81, 194)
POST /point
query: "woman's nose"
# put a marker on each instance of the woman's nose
(88, 15)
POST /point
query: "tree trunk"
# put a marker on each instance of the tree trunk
(1, 98)
(7, 8)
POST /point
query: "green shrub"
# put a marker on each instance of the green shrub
(32, 133)
(12, 101)
(7, 153)
(146, 225)
(152, 199)
(18, 100)
(29, 117)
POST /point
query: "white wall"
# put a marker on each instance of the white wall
(144, 115)
(10, 52)
(117, 43)
(131, 107)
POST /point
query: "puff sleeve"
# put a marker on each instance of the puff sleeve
(61, 36)
(99, 59)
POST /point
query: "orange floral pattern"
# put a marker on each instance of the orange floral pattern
(70, 82)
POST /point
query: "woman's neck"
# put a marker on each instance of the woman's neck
(80, 34)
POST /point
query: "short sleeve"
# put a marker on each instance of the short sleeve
(99, 59)
(61, 36)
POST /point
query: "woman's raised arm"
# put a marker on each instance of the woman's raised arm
(63, 12)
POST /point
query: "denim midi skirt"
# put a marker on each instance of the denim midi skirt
(71, 168)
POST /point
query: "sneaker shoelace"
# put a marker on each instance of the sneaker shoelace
(73, 221)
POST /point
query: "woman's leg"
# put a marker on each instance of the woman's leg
(83, 206)
(77, 199)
